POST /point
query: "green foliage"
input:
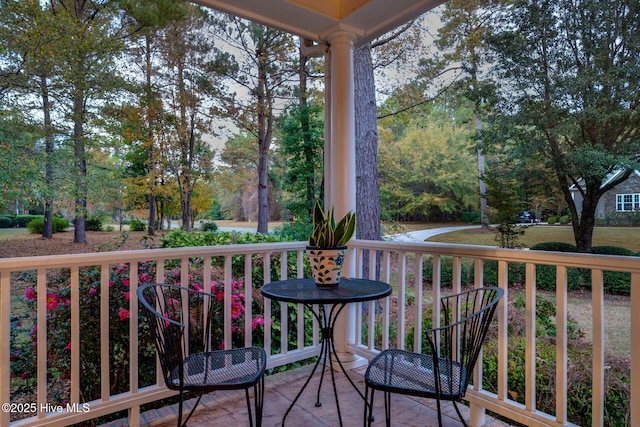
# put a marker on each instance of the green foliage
(612, 250)
(424, 174)
(22, 220)
(181, 238)
(507, 234)
(137, 225)
(472, 217)
(5, 222)
(446, 270)
(209, 226)
(615, 282)
(294, 231)
(326, 233)
(36, 226)
(554, 246)
(553, 219)
(94, 223)
(566, 122)
(564, 219)
(515, 271)
(620, 219)
(617, 377)
(303, 147)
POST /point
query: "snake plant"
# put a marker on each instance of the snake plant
(326, 233)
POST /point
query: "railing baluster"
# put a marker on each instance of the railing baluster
(228, 296)
(503, 331)
(562, 312)
(42, 341)
(248, 301)
(5, 342)
(597, 301)
(530, 332)
(634, 404)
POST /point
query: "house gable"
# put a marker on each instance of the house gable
(627, 192)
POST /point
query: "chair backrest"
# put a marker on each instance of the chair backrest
(466, 318)
(179, 321)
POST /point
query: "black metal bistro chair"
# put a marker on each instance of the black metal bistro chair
(180, 324)
(445, 367)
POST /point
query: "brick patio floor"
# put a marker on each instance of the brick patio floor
(228, 409)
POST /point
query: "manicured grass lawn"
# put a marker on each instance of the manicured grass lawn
(626, 237)
(8, 233)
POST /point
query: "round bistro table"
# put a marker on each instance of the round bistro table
(331, 301)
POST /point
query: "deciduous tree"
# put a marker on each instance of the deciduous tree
(571, 94)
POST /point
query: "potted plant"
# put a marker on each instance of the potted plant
(327, 245)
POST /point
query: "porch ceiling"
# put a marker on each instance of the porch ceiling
(317, 19)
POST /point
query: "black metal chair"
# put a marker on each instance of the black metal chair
(445, 367)
(180, 323)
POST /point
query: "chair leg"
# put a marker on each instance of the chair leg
(387, 407)
(455, 405)
(258, 395)
(181, 424)
(180, 410)
(368, 406)
(246, 393)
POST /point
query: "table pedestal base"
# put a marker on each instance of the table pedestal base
(328, 355)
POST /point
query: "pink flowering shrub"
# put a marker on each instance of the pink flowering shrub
(58, 305)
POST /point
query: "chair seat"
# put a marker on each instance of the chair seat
(221, 369)
(405, 372)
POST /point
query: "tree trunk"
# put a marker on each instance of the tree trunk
(264, 141)
(367, 194)
(151, 226)
(80, 235)
(484, 212)
(47, 230)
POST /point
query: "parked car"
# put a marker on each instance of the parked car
(526, 217)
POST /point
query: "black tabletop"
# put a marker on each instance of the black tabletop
(305, 291)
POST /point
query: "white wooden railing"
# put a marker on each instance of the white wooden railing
(401, 264)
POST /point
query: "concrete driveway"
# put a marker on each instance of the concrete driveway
(422, 235)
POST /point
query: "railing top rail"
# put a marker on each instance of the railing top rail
(605, 262)
(566, 259)
(69, 260)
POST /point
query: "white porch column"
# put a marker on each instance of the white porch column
(340, 173)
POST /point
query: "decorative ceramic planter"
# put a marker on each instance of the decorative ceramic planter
(326, 265)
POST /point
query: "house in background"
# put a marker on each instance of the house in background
(623, 198)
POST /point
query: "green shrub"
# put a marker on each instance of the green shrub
(294, 231)
(5, 222)
(615, 282)
(612, 250)
(22, 220)
(515, 270)
(617, 376)
(180, 238)
(137, 225)
(554, 246)
(553, 219)
(93, 223)
(565, 219)
(36, 226)
(446, 271)
(472, 217)
(209, 226)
